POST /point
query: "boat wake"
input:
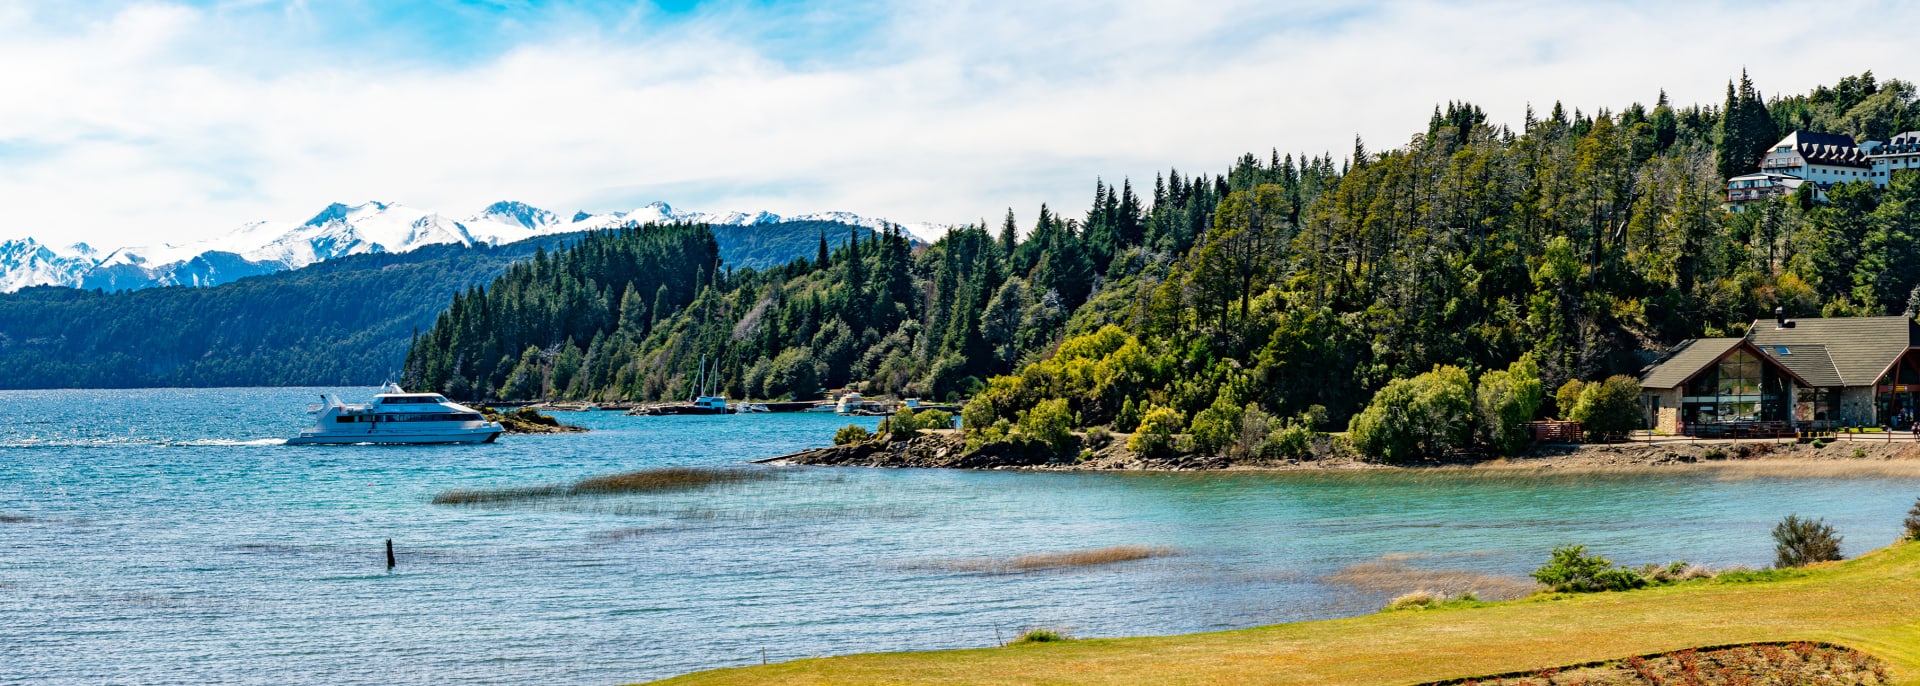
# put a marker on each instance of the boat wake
(136, 442)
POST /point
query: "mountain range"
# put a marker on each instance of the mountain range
(264, 247)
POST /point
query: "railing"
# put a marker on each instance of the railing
(1556, 432)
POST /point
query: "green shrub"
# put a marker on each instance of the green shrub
(1050, 423)
(979, 413)
(1251, 438)
(1609, 408)
(1800, 542)
(901, 426)
(1216, 427)
(998, 432)
(1859, 453)
(1427, 415)
(1505, 401)
(1154, 436)
(850, 434)
(1099, 437)
(1128, 418)
(1819, 443)
(1568, 397)
(935, 419)
(1573, 570)
(1041, 636)
(1291, 441)
(1913, 522)
(1713, 454)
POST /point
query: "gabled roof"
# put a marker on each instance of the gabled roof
(1825, 148)
(1686, 360)
(1809, 362)
(1860, 348)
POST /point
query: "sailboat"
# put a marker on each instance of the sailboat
(705, 402)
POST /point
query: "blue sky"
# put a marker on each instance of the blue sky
(171, 120)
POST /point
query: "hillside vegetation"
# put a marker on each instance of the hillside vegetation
(1583, 243)
(341, 322)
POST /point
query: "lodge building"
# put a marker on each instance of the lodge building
(1788, 375)
(1823, 160)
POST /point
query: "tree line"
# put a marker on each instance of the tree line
(1294, 286)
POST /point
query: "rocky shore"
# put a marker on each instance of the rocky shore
(528, 421)
(947, 450)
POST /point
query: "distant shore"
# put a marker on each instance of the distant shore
(947, 450)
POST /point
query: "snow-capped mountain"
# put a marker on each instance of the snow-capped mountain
(264, 247)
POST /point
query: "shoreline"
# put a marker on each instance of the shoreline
(945, 449)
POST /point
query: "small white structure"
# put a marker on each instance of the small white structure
(1763, 186)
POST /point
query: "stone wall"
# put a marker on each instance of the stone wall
(1856, 406)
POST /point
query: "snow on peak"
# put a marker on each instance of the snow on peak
(339, 230)
(515, 212)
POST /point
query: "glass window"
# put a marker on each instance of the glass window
(1739, 374)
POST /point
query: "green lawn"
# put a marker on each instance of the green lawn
(1871, 604)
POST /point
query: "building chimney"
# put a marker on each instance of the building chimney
(1780, 318)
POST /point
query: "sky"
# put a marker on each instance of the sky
(131, 123)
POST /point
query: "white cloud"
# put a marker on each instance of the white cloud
(166, 122)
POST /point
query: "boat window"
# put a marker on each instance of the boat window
(432, 417)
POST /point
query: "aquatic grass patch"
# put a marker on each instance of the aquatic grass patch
(1392, 575)
(1423, 599)
(669, 479)
(1094, 557)
(1069, 559)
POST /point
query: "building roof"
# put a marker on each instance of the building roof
(1686, 360)
(1859, 348)
(1809, 362)
(1901, 144)
(1825, 148)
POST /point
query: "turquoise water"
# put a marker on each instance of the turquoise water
(163, 536)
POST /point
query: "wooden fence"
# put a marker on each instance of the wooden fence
(1556, 432)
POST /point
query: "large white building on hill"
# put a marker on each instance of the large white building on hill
(1823, 159)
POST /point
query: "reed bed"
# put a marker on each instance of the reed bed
(641, 482)
(1395, 577)
(1032, 562)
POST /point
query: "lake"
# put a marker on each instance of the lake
(164, 536)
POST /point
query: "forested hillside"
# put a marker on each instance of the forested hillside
(343, 321)
(1587, 241)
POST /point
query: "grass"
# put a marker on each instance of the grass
(643, 481)
(1870, 604)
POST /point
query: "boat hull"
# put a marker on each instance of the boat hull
(423, 438)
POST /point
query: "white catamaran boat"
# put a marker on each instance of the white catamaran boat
(396, 416)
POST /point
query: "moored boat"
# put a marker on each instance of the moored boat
(396, 417)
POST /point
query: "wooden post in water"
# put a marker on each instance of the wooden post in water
(389, 553)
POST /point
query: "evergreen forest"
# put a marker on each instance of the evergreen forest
(347, 321)
(1575, 244)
